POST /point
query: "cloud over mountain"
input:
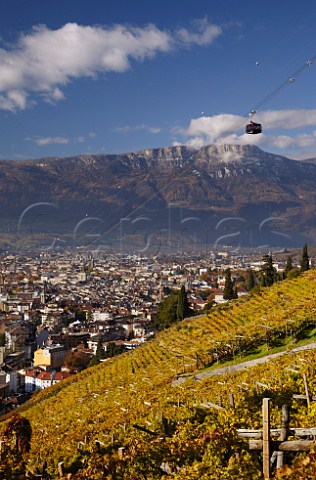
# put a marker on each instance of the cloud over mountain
(229, 128)
(43, 141)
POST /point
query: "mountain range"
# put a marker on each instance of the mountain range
(177, 197)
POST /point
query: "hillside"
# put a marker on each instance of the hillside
(132, 402)
(172, 193)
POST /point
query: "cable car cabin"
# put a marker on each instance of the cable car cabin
(253, 128)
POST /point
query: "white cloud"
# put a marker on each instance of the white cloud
(137, 128)
(228, 128)
(205, 33)
(154, 130)
(53, 96)
(13, 100)
(83, 139)
(211, 127)
(287, 119)
(45, 60)
(43, 141)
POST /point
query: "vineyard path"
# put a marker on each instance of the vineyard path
(243, 365)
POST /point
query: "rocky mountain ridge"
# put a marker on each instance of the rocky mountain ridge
(167, 186)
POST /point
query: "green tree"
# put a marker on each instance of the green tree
(229, 291)
(290, 271)
(288, 266)
(167, 312)
(209, 305)
(251, 280)
(99, 354)
(173, 309)
(113, 349)
(305, 260)
(183, 309)
(294, 273)
(268, 271)
(100, 350)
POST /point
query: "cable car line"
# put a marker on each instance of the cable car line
(226, 133)
(289, 81)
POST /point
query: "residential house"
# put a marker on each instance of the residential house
(50, 357)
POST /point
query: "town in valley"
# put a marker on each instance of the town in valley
(57, 308)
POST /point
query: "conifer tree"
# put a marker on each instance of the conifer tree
(251, 281)
(183, 309)
(305, 260)
(167, 312)
(229, 292)
(268, 272)
(288, 266)
(172, 309)
(99, 354)
(100, 350)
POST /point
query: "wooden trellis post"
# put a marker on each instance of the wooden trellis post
(266, 437)
(264, 442)
(231, 400)
(309, 398)
(61, 469)
(306, 390)
(283, 434)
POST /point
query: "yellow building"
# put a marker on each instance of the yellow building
(50, 357)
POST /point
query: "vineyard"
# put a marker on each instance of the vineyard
(128, 419)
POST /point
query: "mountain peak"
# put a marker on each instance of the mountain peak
(213, 183)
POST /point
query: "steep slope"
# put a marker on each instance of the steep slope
(130, 402)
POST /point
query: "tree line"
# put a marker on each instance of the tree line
(176, 306)
(268, 274)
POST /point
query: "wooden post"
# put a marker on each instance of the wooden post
(61, 469)
(283, 435)
(306, 390)
(287, 446)
(121, 452)
(220, 402)
(266, 438)
(231, 400)
(197, 361)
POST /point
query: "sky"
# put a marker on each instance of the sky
(114, 76)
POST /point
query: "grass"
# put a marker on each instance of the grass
(262, 351)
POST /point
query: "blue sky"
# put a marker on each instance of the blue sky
(110, 76)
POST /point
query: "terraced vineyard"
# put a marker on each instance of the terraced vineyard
(125, 420)
(285, 309)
